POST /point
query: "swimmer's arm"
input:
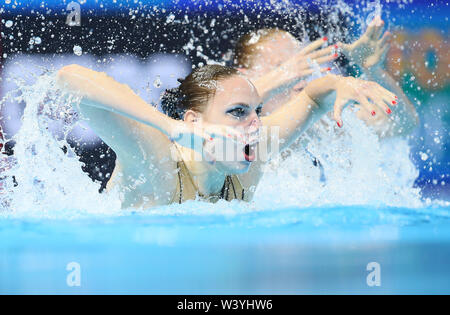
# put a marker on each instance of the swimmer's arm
(300, 112)
(135, 130)
(369, 52)
(320, 97)
(294, 70)
(269, 84)
(404, 118)
(103, 92)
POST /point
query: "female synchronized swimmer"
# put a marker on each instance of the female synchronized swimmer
(269, 55)
(159, 158)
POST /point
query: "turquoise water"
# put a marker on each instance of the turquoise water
(292, 250)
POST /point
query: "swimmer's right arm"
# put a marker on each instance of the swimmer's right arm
(99, 90)
(117, 114)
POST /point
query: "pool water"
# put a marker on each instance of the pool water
(287, 251)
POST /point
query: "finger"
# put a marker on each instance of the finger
(308, 72)
(313, 46)
(306, 65)
(326, 59)
(209, 153)
(370, 30)
(370, 106)
(322, 52)
(379, 26)
(380, 100)
(385, 39)
(344, 47)
(389, 101)
(321, 60)
(384, 51)
(384, 110)
(339, 106)
(386, 95)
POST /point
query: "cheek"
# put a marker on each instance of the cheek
(219, 118)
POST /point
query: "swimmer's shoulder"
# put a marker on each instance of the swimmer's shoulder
(150, 183)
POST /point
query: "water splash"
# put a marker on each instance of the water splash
(49, 178)
(358, 168)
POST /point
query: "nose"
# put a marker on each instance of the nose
(254, 125)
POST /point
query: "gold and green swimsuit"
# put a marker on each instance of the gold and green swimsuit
(186, 189)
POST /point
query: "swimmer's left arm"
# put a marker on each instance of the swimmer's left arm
(301, 111)
(321, 96)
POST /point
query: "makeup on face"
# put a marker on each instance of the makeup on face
(242, 111)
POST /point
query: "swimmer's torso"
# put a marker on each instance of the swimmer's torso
(175, 184)
(232, 188)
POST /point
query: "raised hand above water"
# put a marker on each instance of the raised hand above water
(370, 50)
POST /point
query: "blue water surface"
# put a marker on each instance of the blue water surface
(289, 251)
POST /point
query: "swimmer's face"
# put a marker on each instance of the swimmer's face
(271, 53)
(237, 104)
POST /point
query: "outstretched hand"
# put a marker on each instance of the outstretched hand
(302, 64)
(204, 138)
(369, 95)
(370, 50)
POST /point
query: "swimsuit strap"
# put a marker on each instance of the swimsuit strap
(180, 183)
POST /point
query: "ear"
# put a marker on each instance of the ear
(191, 116)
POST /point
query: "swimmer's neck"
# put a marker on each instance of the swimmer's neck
(207, 178)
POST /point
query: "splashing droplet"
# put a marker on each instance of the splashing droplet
(77, 50)
(157, 83)
(170, 19)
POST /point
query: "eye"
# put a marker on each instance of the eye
(259, 110)
(238, 112)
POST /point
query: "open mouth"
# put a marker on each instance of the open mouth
(249, 152)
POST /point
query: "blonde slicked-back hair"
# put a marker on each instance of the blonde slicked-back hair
(246, 47)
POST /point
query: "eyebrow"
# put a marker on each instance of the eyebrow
(240, 104)
(247, 105)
